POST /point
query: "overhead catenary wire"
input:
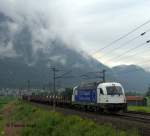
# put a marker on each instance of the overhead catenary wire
(84, 76)
(127, 51)
(124, 44)
(114, 49)
(122, 37)
(87, 76)
(96, 77)
(136, 53)
(111, 71)
(127, 57)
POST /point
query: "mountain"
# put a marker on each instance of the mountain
(133, 78)
(25, 57)
(22, 60)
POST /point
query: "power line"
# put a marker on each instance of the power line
(140, 62)
(103, 77)
(98, 77)
(126, 43)
(130, 50)
(110, 51)
(122, 37)
(86, 75)
(127, 57)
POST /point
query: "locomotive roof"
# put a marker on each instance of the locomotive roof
(88, 85)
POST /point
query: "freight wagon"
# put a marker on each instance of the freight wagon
(136, 101)
(96, 96)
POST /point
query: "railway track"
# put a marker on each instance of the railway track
(135, 117)
(121, 120)
(140, 113)
(140, 117)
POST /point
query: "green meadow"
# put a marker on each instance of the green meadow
(139, 108)
(23, 119)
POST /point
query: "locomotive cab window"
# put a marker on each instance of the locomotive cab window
(114, 90)
(101, 91)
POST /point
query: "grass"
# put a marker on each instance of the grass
(39, 122)
(139, 108)
(4, 100)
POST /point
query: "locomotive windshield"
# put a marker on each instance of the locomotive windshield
(114, 90)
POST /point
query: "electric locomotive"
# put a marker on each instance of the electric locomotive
(100, 96)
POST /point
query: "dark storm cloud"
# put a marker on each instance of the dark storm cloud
(86, 24)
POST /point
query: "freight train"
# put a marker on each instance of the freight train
(96, 96)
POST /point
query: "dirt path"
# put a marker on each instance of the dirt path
(9, 128)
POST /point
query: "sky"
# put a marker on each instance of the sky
(88, 25)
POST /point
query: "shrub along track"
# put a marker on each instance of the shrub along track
(123, 121)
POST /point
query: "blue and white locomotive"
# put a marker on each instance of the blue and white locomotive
(100, 96)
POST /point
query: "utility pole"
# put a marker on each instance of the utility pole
(54, 83)
(49, 83)
(54, 87)
(28, 86)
